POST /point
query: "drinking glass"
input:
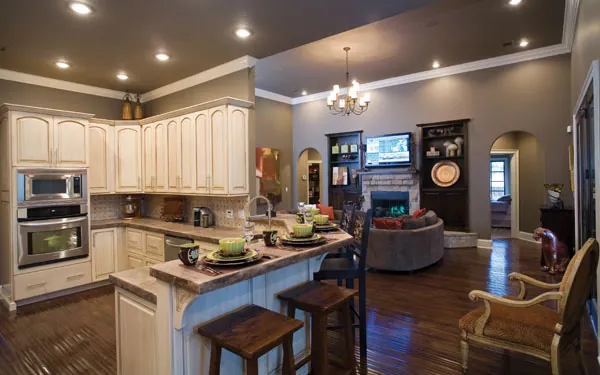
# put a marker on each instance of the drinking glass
(248, 232)
(308, 216)
(301, 207)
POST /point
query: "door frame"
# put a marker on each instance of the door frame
(514, 189)
(308, 163)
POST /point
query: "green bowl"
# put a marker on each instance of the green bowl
(302, 230)
(315, 211)
(231, 246)
(321, 219)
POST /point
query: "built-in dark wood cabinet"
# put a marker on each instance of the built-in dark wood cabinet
(345, 156)
(445, 144)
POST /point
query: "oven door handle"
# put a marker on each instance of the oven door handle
(42, 223)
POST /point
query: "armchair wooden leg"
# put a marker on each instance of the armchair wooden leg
(464, 351)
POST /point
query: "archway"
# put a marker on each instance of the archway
(310, 176)
(517, 164)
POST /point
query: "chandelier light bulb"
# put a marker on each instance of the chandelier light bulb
(336, 89)
(342, 103)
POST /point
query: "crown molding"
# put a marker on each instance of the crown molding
(272, 95)
(31, 79)
(232, 66)
(539, 53)
(570, 22)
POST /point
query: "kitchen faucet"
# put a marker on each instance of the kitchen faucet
(269, 207)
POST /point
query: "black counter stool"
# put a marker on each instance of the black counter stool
(251, 332)
(320, 300)
(349, 266)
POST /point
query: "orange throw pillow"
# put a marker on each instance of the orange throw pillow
(419, 213)
(389, 224)
(326, 210)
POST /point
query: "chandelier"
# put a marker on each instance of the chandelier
(350, 101)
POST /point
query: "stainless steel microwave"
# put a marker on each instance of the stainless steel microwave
(57, 185)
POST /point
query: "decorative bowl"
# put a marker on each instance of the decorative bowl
(302, 230)
(231, 246)
(315, 211)
(321, 219)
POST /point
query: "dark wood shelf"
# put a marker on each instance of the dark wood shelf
(443, 136)
(339, 194)
(442, 157)
(344, 161)
(345, 153)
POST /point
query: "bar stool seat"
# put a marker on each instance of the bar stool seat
(320, 300)
(251, 332)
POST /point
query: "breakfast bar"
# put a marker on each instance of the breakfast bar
(187, 296)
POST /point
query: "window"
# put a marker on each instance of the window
(499, 177)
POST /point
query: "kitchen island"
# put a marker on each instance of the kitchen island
(188, 296)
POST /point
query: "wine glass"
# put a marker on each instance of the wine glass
(248, 232)
(301, 207)
(308, 217)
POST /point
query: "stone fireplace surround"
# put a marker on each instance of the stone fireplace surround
(404, 180)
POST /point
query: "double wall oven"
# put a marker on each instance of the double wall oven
(52, 216)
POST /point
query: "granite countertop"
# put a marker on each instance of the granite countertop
(212, 235)
(192, 280)
(137, 281)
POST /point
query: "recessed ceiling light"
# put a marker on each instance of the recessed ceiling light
(304, 92)
(162, 56)
(122, 76)
(243, 33)
(523, 43)
(436, 64)
(514, 2)
(63, 64)
(80, 8)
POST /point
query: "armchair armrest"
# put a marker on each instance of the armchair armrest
(488, 297)
(530, 280)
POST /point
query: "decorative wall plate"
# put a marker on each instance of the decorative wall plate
(445, 173)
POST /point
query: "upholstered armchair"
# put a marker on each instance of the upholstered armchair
(529, 327)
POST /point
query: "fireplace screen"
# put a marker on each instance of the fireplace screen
(390, 203)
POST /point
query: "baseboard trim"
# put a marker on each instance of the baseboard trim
(61, 293)
(6, 299)
(484, 244)
(526, 236)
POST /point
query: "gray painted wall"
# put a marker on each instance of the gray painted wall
(586, 45)
(533, 96)
(39, 96)
(273, 121)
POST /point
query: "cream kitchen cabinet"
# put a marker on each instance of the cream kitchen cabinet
(154, 155)
(181, 154)
(203, 157)
(104, 253)
(173, 153)
(128, 158)
(143, 248)
(42, 140)
(238, 166)
(101, 175)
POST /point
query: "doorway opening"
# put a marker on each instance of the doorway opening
(310, 177)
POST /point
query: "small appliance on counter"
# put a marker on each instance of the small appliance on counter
(207, 218)
(131, 208)
(197, 216)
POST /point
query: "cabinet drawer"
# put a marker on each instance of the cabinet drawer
(134, 240)
(134, 261)
(148, 262)
(47, 281)
(155, 246)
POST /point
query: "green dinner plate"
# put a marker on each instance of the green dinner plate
(315, 237)
(216, 256)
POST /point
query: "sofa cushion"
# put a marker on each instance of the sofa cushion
(430, 217)
(326, 210)
(414, 223)
(390, 224)
(419, 213)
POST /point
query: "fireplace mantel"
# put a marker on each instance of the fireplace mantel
(389, 171)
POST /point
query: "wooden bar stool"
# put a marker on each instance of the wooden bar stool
(251, 332)
(320, 300)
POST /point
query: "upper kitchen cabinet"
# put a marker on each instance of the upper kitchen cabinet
(128, 158)
(41, 137)
(187, 153)
(154, 157)
(203, 152)
(238, 150)
(173, 155)
(101, 175)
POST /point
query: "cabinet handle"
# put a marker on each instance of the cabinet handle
(38, 285)
(93, 241)
(139, 182)
(75, 276)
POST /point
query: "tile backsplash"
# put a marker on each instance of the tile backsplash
(152, 205)
(104, 207)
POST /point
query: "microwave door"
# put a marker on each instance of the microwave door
(45, 241)
(44, 187)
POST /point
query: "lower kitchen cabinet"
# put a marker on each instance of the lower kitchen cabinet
(51, 280)
(104, 253)
(136, 334)
(134, 261)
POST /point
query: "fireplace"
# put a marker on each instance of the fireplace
(390, 203)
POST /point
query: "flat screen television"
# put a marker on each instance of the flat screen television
(390, 150)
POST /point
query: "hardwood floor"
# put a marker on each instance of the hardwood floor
(412, 322)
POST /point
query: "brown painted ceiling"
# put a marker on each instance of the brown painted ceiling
(198, 34)
(451, 31)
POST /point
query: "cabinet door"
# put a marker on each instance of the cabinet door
(5, 163)
(219, 171)
(148, 159)
(102, 164)
(33, 142)
(136, 336)
(173, 155)
(104, 251)
(238, 150)
(129, 165)
(187, 154)
(71, 142)
(203, 152)
(155, 246)
(134, 261)
(160, 151)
